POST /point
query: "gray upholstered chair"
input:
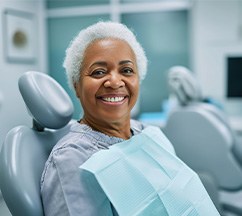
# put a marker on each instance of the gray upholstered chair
(25, 150)
(203, 138)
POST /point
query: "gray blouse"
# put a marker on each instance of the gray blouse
(62, 190)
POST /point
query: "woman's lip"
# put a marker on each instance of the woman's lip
(111, 95)
(113, 99)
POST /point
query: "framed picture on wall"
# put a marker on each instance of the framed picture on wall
(18, 35)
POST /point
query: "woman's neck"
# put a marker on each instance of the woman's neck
(116, 129)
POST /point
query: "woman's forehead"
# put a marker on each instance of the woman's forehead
(109, 47)
(103, 42)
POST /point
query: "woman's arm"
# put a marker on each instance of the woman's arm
(64, 190)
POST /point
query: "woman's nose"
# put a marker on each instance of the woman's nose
(114, 81)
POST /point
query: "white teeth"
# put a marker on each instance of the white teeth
(113, 99)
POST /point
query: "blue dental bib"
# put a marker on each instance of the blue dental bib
(142, 176)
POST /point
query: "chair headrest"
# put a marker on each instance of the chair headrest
(48, 103)
(183, 84)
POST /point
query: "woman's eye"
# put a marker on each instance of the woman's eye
(98, 73)
(127, 71)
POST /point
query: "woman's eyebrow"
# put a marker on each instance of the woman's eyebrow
(103, 63)
(99, 63)
(125, 62)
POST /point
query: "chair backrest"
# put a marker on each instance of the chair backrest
(200, 131)
(25, 150)
(202, 137)
(204, 142)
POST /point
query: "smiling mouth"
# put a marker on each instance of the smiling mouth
(113, 99)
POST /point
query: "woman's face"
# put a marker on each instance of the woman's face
(109, 81)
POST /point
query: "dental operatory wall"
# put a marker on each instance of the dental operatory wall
(15, 15)
(14, 64)
(216, 30)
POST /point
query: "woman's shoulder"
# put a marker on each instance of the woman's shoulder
(75, 135)
(83, 137)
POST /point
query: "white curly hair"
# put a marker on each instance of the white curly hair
(75, 52)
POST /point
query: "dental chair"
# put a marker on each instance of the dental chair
(204, 140)
(25, 150)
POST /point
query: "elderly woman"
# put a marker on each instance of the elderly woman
(105, 65)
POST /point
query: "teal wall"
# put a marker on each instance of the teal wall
(164, 36)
